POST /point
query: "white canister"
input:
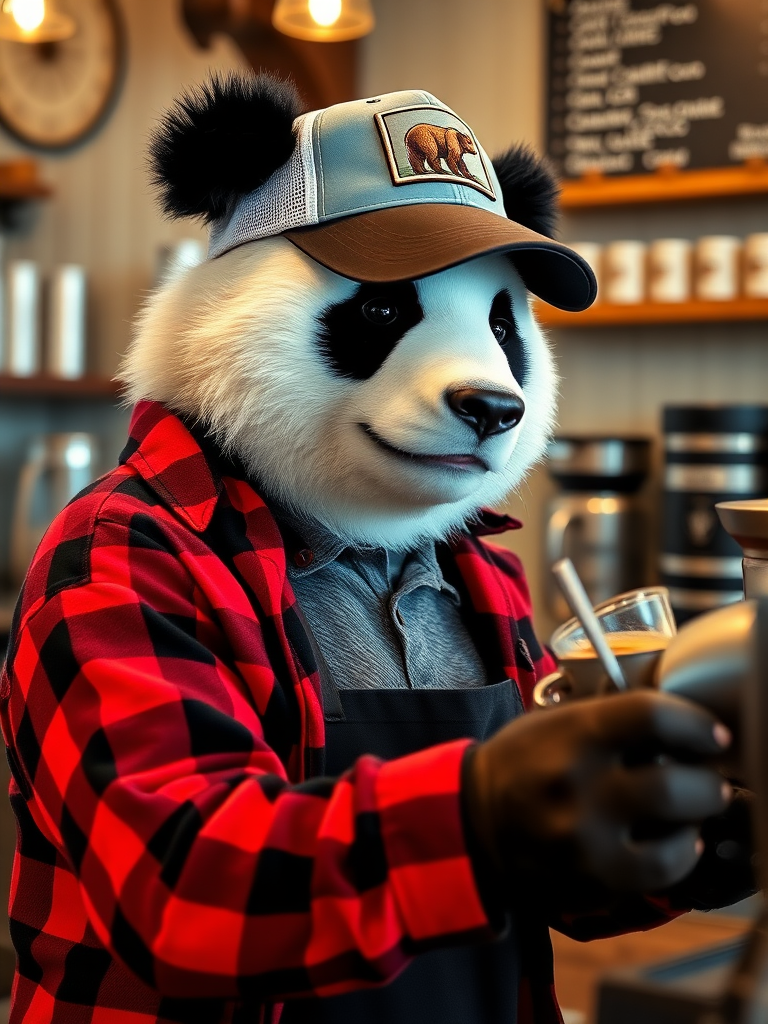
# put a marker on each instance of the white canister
(623, 272)
(591, 252)
(716, 267)
(669, 270)
(65, 355)
(756, 266)
(23, 298)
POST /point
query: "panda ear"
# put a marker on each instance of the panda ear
(220, 141)
(529, 189)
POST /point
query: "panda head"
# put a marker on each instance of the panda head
(361, 335)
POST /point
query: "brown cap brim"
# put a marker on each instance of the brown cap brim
(402, 242)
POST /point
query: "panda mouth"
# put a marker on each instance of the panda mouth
(461, 462)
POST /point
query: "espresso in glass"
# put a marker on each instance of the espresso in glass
(637, 626)
(637, 653)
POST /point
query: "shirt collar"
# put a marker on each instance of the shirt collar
(309, 544)
(488, 522)
(182, 471)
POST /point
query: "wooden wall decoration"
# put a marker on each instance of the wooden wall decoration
(325, 73)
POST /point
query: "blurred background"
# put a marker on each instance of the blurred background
(662, 384)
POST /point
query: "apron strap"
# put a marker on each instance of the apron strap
(332, 708)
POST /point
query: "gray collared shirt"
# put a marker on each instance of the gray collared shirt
(381, 619)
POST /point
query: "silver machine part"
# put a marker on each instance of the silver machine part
(604, 536)
(713, 479)
(709, 660)
(731, 444)
(598, 456)
(747, 522)
(597, 519)
(702, 565)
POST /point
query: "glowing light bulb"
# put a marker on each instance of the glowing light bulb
(325, 12)
(28, 14)
(323, 21)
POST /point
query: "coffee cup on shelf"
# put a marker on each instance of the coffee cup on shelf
(756, 266)
(669, 270)
(716, 267)
(592, 253)
(623, 271)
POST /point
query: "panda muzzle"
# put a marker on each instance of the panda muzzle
(488, 412)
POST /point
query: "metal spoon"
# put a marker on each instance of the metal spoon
(579, 603)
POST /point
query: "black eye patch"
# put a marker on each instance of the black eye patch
(504, 326)
(357, 335)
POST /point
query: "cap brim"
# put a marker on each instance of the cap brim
(401, 242)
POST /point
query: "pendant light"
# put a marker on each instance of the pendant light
(34, 21)
(323, 21)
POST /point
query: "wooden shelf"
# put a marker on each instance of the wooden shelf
(44, 386)
(604, 315)
(665, 185)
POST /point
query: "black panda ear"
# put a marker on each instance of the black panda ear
(529, 189)
(220, 141)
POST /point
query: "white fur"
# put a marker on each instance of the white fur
(233, 343)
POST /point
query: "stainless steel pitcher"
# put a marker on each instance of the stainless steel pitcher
(57, 467)
(597, 520)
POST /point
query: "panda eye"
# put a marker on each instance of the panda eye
(380, 312)
(503, 330)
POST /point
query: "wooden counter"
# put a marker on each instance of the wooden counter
(579, 965)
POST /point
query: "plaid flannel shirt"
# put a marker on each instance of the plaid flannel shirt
(181, 856)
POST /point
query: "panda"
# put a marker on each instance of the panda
(394, 410)
(263, 702)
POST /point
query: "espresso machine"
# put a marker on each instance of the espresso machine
(720, 660)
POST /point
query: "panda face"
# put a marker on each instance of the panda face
(391, 413)
(436, 406)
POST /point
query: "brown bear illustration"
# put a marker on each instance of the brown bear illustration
(428, 144)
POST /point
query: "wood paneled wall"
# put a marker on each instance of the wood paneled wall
(102, 213)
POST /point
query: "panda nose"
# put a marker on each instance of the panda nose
(487, 412)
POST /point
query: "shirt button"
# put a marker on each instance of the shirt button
(303, 558)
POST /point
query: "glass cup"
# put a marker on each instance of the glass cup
(638, 626)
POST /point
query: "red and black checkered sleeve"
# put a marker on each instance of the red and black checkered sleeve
(138, 740)
(498, 591)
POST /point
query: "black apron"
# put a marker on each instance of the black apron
(474, 984)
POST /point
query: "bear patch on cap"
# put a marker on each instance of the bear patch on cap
(237, 153)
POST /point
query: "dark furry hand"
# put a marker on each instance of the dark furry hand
(609, 792)
(724, 874)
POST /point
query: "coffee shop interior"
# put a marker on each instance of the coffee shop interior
(663, 406)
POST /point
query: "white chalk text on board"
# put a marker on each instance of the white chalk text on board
(637, 85)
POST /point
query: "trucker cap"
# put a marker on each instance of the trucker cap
(396, 187)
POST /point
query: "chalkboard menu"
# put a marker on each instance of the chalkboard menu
(635, 85)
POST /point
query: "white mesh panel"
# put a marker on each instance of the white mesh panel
(288, 199)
